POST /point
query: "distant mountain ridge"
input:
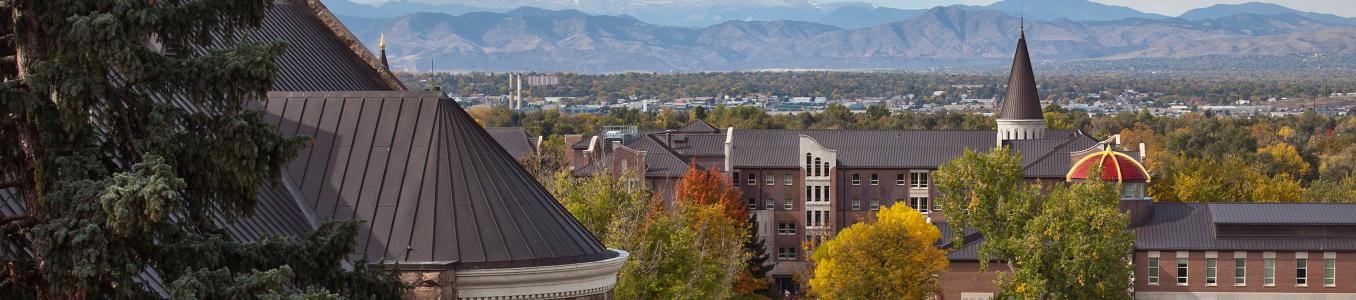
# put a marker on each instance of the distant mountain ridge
(1263, 9)
(569, 40)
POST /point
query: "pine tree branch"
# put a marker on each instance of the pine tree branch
(11, 183)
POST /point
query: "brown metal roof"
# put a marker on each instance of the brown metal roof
(321, 55)
(698, 126)
(926, 149)
(513, 139)
(1022, 102)
(431, 184)
(1193, 226)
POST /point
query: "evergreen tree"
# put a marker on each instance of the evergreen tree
(753, 280)
(128, 139)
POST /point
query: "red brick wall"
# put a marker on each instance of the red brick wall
(965, 277)
(1285, 273)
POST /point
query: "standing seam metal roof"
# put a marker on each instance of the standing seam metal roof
(431, 184)
(1022, 102)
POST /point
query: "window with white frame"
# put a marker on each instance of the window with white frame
(770, 204)
(1240, 271)
(1329, 269)
(875, 204)
(788, 204)
(1182, 271)
(753, 179)
(875, 179)
(788, 179)
(1268, 271)
(809, 193)
(918, 180)
(856, 204)
(899, 179)
(786, 253)
(1153, 271)
(1302, 272)
(753, 203)
(1210, 271)
(786, 228)
(770, 179)
(919, 203)
(856, 179)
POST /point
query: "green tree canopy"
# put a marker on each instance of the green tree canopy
(115, 179)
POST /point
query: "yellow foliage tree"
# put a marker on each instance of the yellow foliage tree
(894, 257)
(1283, 158)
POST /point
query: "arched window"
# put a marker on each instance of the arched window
(807, 163)
(818, 165)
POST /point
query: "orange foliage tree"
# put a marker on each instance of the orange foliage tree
(710, 187)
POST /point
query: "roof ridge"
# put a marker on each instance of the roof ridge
(351, 41)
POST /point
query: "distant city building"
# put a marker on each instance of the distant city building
(542, 80)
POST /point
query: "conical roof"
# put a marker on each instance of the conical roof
(431, 185)
(1022, 102)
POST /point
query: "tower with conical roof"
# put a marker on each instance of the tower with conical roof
(1021, 117)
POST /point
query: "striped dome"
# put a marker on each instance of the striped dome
(1116, 167)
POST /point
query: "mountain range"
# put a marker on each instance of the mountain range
(850, 15)
(536, 39)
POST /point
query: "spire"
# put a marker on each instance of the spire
(1022, 102)
(381, 45)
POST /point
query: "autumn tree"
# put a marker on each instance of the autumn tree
(116, 180)
(1069, 243)
(1077, 247)
(893, 257)
(692, 248)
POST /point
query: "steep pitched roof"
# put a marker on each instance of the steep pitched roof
(698, 126)
(1022, 101)
(513, 139)
(321, 54)
(431, 184)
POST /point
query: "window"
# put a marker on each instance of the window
(819, 165)
(875, 204)
(856, 204)
(1210, 271)
(936, 207)
(770, 180)
(753, 203)
(787, 179)
(875, 179)
(1153, 271)
(788, 205)
(809, 193)
(899, 179)
(786, 253)
(1181, 271)
(1269, 271)
(919, 203)
(1302, 271)
(1240, 271)
(786, 228)
(770, 204)
(735, 179)
(753, 179)
(1330, 269)
(918, 180)
(856, 179)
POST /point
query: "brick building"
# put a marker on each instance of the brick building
(805, 185)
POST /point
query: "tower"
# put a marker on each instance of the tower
(1021, 117)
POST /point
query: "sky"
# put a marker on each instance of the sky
(1163, 7)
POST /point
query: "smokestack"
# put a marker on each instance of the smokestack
(520, 91)
(1142, 154)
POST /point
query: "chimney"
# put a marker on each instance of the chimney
(729, 149)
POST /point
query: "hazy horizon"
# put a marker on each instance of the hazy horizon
(1168, 8)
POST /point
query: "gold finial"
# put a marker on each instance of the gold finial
(381, 41)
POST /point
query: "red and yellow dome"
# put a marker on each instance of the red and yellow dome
(1116, 167)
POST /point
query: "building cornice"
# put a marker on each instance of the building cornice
(543, 282)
